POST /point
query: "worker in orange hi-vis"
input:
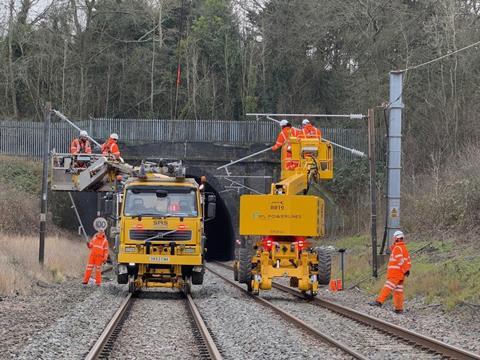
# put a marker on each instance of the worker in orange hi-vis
(110, 147)
(309, 131)
(290, 164)
(81, 145)
(285, 134)
(98, 256)
(398, 268)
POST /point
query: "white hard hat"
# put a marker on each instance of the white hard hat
(284, 122)
(398, 234)
(305, 122)
(114, 136)
(83, 133)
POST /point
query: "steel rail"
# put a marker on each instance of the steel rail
(202, 328)
(97, 349)
(409, 335)
(292, 319)
(398, 331)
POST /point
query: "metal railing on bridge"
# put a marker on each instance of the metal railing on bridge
(25, 138)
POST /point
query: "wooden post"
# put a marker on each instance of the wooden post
(373, 189)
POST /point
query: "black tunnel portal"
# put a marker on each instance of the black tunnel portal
(219, 231)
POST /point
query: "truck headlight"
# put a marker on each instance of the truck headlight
(189, 250)
(130, 249)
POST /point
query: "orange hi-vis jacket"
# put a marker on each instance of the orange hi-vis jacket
(80, 147)
(111, 147)
(399, 262)
(99, 249)
(284, 136)
(311, 132)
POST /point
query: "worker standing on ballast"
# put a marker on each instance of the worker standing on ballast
(110, 147)
(398, 268)
(309, 131)
(98, 256)
(81, 145)
(285, 134)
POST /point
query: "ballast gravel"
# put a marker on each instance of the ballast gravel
(158, 326)
(72, 335)
(365, 340)
(24, 320)
(460, 327)
(244, 329)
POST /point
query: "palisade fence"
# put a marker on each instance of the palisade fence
(25, 138)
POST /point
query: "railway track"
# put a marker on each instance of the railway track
(106, 342)
(430, 347)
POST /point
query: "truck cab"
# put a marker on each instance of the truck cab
(161, 239)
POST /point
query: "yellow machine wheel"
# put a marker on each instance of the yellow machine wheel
(324, 266)
(244, 265)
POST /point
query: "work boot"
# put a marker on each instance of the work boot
(397, 311)
(375, 303)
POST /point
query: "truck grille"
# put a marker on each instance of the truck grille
(181, 235)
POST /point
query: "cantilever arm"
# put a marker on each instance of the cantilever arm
(244, 158)
(64, 118)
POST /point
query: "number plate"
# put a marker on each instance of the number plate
(160, 223)
(159, 258)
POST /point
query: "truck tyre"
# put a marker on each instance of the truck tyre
(235, 271)
(197, 277)
(324, 266)
(244, 264)
(122, 278)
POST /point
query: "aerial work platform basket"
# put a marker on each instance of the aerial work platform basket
(86, 172)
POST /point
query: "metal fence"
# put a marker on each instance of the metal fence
(25, 138)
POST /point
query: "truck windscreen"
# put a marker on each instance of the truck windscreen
(161, 202)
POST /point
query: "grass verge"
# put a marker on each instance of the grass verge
(20, 183)
(19, 267)
(443, 271)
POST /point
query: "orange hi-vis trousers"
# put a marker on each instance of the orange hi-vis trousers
(395, 285)
(94, 262)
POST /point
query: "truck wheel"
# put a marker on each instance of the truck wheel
(235, 271)
(122, 278)
(197, 277)
(324, 266)
(244, 265)
(187, 285)
(131, 285)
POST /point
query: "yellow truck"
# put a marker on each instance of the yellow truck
(277, 228)
(158, 217)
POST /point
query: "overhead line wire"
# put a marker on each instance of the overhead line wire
(440, 57)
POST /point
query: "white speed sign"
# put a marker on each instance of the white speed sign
(100, 224)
